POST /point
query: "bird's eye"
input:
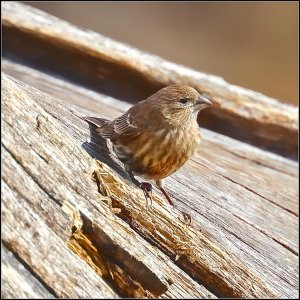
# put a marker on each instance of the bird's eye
(183, 101)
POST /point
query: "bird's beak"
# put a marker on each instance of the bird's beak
(202, 102)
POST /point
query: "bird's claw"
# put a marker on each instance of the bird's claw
(146, 186)
(187, 219)
(147, 189)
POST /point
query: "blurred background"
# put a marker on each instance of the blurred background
(253, 44)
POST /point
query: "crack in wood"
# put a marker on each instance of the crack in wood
(85, 242)
(204, 258)
(127, 276)
(184, 250)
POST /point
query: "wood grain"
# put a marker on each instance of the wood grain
(243, 237)
(56, 192)
(17, 281)
(73, 223)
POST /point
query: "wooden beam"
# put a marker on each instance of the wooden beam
(243, 238)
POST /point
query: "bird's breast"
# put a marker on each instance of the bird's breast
(157, 154)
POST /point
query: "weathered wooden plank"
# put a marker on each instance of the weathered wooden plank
(17, 281)
(230, 251)
(46, 168)
(27, 235)
(232, 156)
(34, 229)
(237, 216)
(129, 74)
(277, 178)
(112, 108)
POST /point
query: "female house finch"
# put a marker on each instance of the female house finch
(157, 136)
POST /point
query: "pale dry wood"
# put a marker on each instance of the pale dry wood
(232, 156)
(35, 230)
(26, 234)
(45, 168)
(130, 74)
(17, 281)
(242, 163)
(232, 251)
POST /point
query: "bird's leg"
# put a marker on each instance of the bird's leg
(187, 217)
(145, 186)
(159, 184)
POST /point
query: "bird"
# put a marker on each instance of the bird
(157, 136)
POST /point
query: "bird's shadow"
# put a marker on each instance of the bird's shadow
(98, 148)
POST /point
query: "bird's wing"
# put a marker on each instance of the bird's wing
(128, 125)
(133, 122)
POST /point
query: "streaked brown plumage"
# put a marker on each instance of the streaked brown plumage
(155, 137)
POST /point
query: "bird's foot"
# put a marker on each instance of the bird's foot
(187, 219)
(147, 189)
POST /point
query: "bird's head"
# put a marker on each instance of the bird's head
(179, 101)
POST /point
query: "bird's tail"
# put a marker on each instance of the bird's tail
(104, 127)
(98, 122)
